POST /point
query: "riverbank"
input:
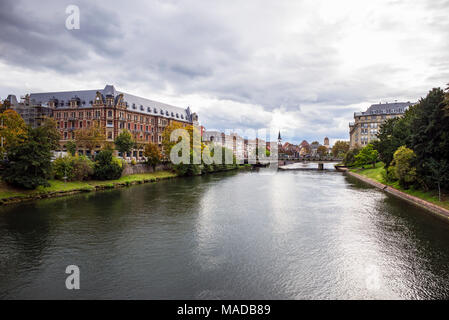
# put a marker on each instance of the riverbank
(57, 188)
(9, 195)
(427, 200)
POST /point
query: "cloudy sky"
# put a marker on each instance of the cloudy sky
(302, 67)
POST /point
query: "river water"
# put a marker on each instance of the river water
(236, 235)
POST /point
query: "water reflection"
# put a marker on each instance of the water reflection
(290, 234)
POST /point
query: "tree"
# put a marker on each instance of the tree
(430, 135)
(404, 169)
(90, 137)
(28, 163)
(322, 151)
(439, 172)
(153, 155)
(71, 147)
(366, 156)
(107, 167)
(340, 148)
(12, 130)
(188, 132)
(167, 144)
(349, 158)
(124, 142)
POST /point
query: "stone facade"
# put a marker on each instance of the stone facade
(113, 111)
(366, 124)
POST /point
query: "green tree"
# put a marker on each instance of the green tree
(124, 142)
(439, 171)
(430, 135)
(107, 167)
(340, 148)
(28, 163)
(368, 155)
(153, 155)
(404, 169)
(71, 147)
(349, 159)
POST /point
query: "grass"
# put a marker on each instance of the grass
(376, 174)
(7, 191)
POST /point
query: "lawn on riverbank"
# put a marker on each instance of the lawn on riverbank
(7, 191)
(11, 194)
(376, 174)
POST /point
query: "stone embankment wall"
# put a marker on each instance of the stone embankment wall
(433, 208)
(143, 168)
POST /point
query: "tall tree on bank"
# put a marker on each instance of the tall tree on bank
(367, 155)
(12, 130)
(152, 154)
(430, 135)
(124, 142)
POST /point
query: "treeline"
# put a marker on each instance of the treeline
(26, 153)
(196, 163)
(414, 148)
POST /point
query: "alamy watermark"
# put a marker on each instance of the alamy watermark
(72, 282)
(72, 22)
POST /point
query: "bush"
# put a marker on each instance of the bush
(76, 168)
(389, 175)
(404, 169)
(83, 168)
(106, 166)
(63, 167)
(133, 162)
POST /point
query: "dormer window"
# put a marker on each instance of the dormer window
(182, 117)
(162, 111)
(141, 107)
(134, 106)
(177, 115)
(172, 114)
(149, 109)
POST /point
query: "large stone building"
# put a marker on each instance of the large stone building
(366, 124)
(114, 111)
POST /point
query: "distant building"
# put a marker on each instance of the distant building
(366, 124)
(326, 142)
(304, 148)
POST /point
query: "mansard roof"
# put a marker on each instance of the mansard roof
(134, 103)
(386, 108)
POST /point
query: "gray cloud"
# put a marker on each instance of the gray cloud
(241, 65)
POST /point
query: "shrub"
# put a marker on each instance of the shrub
(133, 162)
(76, 168)
(83, 168)
(404, 169)
(106, 166)
(63, 167)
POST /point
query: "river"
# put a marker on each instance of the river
(236, 235)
